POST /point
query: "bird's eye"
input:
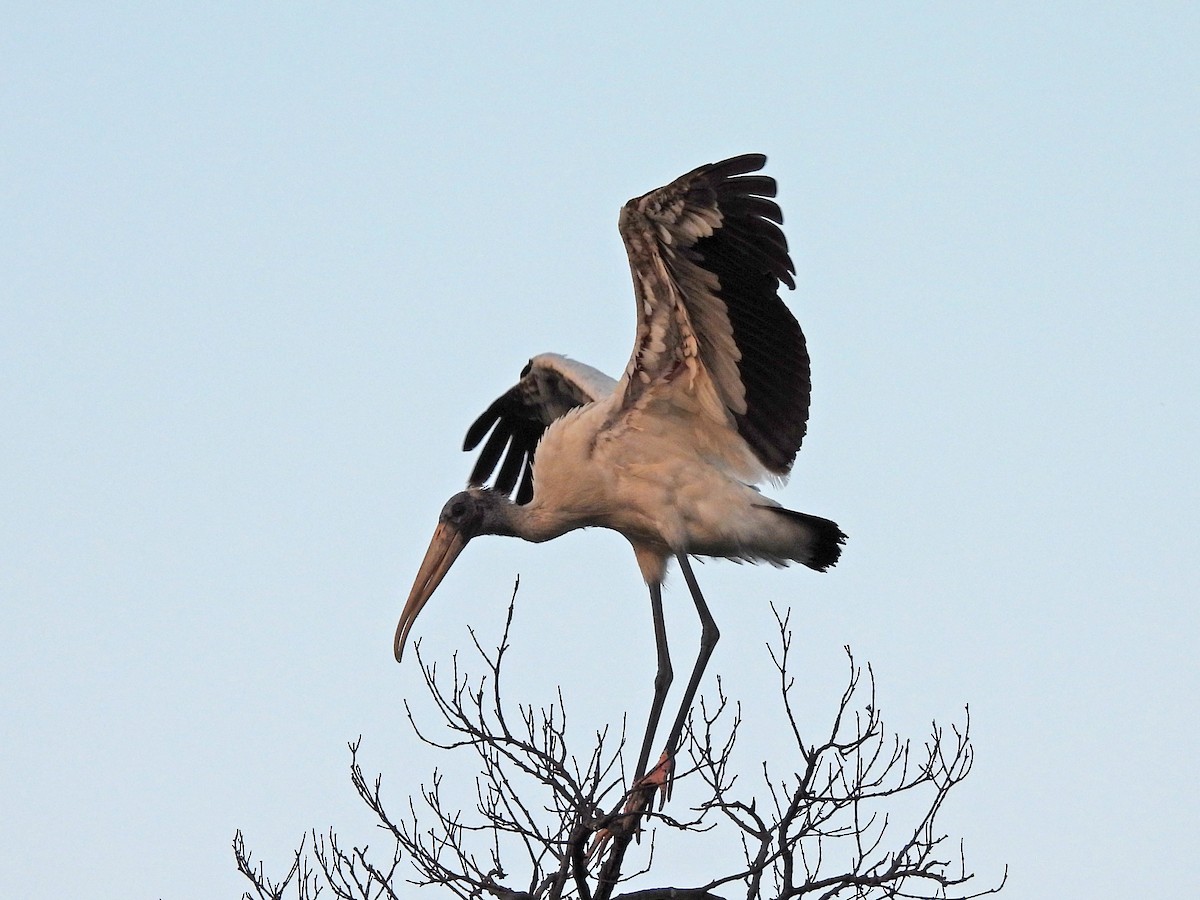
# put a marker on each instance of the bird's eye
(458, 510)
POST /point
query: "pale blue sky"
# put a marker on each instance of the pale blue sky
(263, 264)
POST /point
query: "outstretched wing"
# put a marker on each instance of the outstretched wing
(707, 256)
(550, 386)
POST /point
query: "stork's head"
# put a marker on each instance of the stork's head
(466, 515)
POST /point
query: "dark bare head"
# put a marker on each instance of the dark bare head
(467, 514)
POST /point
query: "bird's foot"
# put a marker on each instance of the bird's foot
(661, 777)
(638, 801)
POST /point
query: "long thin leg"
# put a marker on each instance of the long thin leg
(662, 680)
(641, 795)
(709, 635)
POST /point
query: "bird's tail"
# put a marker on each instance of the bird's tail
(817, 542)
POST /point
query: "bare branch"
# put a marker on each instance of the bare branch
(856, 816)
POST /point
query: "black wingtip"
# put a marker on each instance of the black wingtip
(738, 165)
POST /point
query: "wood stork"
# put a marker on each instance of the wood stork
(714, 399)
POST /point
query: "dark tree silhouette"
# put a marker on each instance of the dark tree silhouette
(855, 815)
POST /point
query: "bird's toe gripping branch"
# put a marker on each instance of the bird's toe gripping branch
(638, 802)
(660, 778)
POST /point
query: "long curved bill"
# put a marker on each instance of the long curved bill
(444, 548)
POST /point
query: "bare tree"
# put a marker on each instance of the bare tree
(855, 815)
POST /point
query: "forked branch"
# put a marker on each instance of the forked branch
(854, 813)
